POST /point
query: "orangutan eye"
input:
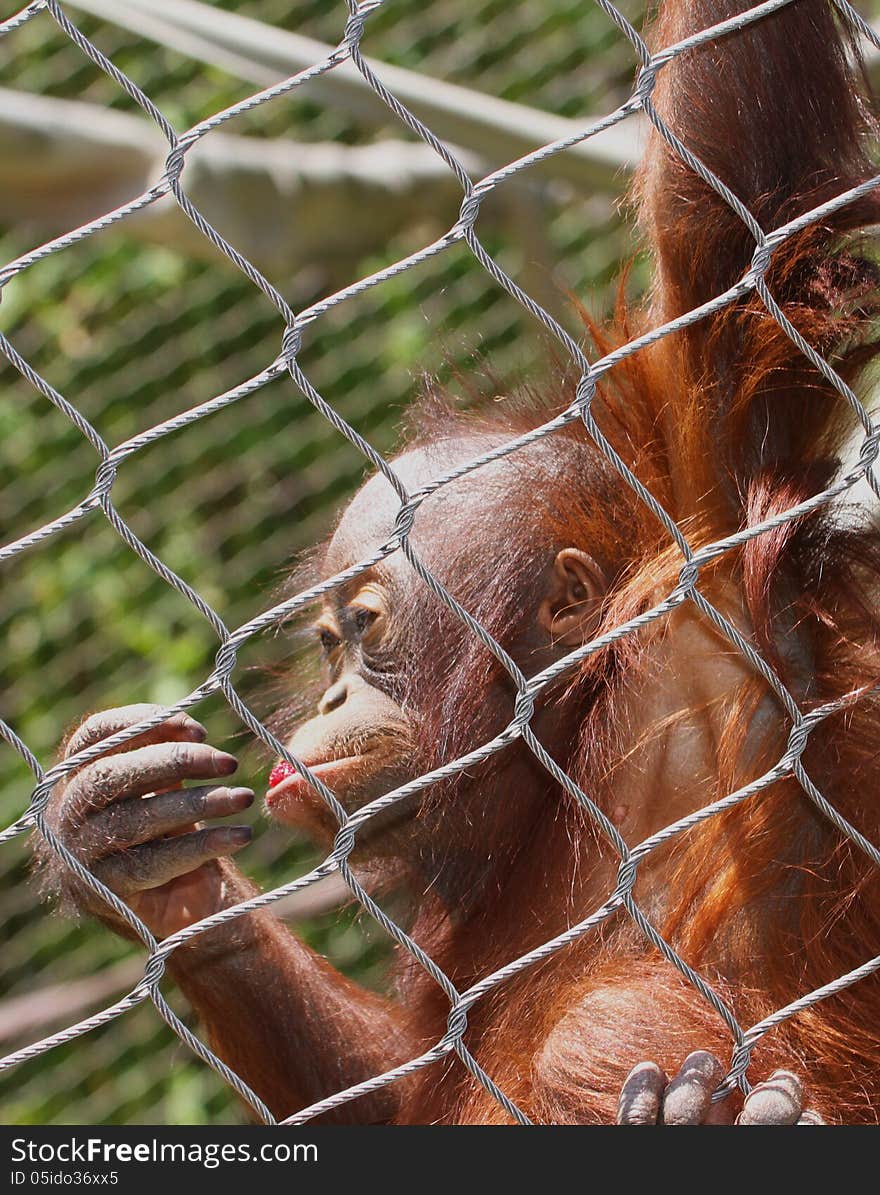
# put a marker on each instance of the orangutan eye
(368, 615)
(364, 618)
(329, 641)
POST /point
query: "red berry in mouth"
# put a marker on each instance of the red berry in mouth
(280, 772)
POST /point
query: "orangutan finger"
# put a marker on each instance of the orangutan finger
(155, 863)
(779, 1100)
(141, 819)
(641, 1094)
(102, 725)
(136, 773)
(688, 1097)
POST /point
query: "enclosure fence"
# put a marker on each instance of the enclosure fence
(293, 328)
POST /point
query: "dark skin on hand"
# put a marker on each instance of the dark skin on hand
(727, 424)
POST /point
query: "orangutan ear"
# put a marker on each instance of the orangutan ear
(569, 612)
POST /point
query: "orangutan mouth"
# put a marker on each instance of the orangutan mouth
(289, 792)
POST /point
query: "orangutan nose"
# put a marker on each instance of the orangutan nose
(334, 697)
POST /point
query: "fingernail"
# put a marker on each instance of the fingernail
(224, 763)
(194, 729)
(704, 1064)
(240, 835)
(240, 798)
(223, 801)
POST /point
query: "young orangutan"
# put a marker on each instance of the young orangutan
(728, 424)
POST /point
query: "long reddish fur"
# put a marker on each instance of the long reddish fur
(728, 424)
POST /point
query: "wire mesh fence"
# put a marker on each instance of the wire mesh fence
(281, 349)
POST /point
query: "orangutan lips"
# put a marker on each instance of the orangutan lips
(287, 787)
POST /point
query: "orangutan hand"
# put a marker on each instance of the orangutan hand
(129, 819)
(648, 1097)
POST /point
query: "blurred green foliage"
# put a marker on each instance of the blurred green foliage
(133, 334)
